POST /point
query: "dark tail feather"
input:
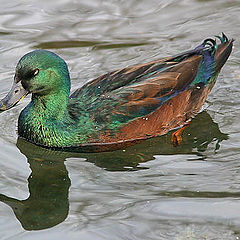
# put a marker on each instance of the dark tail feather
(220, 51)
(223, 51)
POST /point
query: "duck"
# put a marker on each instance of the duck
(119, 108)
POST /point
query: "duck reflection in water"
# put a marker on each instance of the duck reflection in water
(48, 184)
(48, 204)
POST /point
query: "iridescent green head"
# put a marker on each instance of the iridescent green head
(42, 72)
(39, 72)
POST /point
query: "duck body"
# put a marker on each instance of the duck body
(118, 108)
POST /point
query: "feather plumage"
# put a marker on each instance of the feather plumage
(118, 108)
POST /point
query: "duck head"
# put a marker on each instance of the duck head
(39, 72)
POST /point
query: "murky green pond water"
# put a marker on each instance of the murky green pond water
(151, 190)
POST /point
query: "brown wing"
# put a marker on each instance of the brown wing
(116, 98)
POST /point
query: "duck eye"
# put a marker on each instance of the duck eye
(36, 71)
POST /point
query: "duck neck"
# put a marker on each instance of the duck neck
(45, 119)
(52, 106)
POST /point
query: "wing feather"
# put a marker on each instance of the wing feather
(136, 91)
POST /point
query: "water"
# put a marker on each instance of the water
(151, 190)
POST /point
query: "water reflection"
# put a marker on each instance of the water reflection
(48, 204)
(48, 184)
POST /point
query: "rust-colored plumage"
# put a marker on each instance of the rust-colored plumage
(156, 97)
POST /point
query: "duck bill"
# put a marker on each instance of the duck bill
(16, 94)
